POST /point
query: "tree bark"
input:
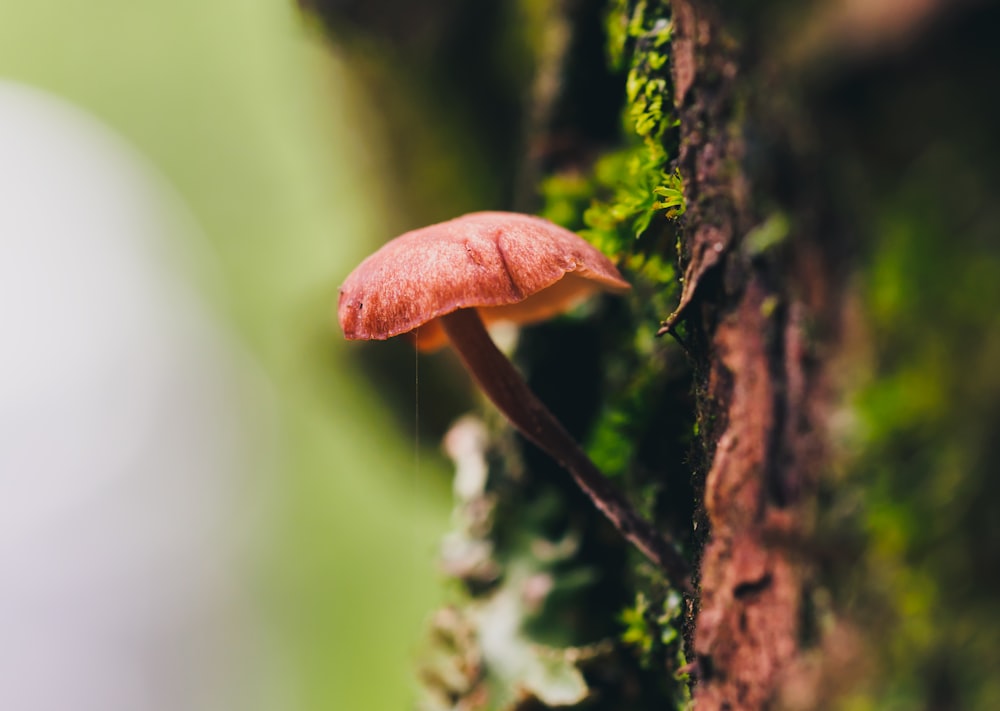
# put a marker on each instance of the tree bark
(760, 394)
(794, 124)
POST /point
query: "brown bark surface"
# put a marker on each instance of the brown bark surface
(760, 396)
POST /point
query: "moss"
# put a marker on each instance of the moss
(628, 205)
(605, 617)
(628, 190)
(767, 235)
(924, 444)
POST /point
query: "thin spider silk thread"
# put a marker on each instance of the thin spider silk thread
(416, 405)
(416, 431)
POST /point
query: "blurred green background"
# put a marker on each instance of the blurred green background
(247, 112)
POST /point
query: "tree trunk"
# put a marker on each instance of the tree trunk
(838, 347)
(763, 395)
(798, 128)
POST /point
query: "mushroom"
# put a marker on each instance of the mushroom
(442, 283)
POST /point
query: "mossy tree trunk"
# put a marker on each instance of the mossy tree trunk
(834, 344)
(838, 160)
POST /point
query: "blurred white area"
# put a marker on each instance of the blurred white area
(125, 421)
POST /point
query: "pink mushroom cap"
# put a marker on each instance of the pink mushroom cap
(508, 266)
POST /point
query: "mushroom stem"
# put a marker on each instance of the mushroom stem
(503, 384)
